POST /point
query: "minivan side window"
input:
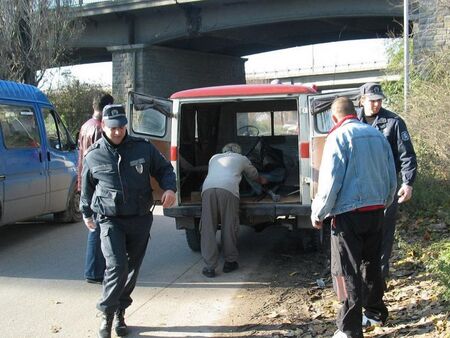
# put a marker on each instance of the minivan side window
(149, 121)
(57, 135)
(19, 127)
(324, 123)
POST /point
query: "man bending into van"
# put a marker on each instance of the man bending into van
(220, 205)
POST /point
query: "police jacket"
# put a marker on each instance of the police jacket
(394, 129)
(357, 171)
(116, 178)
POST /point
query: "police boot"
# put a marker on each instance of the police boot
(106, 325)
(119, 323)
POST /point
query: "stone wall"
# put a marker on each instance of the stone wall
(431, 26)
(161, 71)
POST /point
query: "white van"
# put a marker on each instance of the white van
(281, 128)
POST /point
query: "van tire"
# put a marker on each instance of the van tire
(310, 239)
(193, 237)
(72, 214)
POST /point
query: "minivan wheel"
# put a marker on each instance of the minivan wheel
(193, 238)
(72, 213)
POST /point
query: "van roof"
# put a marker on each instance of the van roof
(242, 90)
(18, 91)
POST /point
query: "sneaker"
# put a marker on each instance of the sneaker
(230, 266)
(94, 280)
(368, 322)
(339, 334)
(210, 273)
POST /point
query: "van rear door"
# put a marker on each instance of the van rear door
(150, 117)
(321, 123)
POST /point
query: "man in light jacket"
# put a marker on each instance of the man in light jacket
(357, 180)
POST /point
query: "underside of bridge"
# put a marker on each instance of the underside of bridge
(222, 29)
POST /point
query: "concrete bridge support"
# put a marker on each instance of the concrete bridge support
(161, 71)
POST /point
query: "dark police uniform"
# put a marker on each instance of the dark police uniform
(394, 129)
(116, 186)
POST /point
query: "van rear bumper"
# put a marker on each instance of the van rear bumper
(246, 210)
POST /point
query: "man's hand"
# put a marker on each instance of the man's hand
(262, 180)
(404, 193)
(90, 224)
(316, 223)
(168, 199)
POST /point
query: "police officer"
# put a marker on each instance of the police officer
(394, 129)
(116, 187)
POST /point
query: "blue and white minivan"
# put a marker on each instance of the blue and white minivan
(38, 158)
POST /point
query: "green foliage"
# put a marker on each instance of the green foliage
(73, 101)
(440, 265)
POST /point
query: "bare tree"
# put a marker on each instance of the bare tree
(35, 36)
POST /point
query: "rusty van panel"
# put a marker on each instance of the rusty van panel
(318, 143)
(164, 148)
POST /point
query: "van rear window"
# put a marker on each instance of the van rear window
(267, 123)
(19, 127)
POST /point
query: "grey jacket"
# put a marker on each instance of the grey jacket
(357, 170)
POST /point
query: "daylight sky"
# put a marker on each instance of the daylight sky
(320, 55)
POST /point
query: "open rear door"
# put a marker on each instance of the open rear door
(150, 118)
(321, 123)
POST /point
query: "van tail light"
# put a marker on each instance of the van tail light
(173, 153)
(304, 149)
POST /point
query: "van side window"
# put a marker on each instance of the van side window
(19, 127)
(324, 123)
(57, 136)
(149, 121)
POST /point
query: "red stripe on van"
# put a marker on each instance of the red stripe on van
(304, 150)
(173, 153)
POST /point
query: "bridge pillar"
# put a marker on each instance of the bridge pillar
(161, 71)
(431, 27)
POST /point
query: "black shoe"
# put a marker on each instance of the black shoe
(94, 280)
(230, 266)
(106, 325)
(119, 323)
(210, 273)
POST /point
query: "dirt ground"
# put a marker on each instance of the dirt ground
(299, 301)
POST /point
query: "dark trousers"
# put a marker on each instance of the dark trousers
(355, 266)
(124, 242)
(390, 217)
(94, 266)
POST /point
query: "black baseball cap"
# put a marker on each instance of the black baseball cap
(114, 116)
(372, 91)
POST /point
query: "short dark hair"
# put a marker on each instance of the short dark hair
(101, 100)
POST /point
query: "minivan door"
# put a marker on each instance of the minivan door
(150, 118)
(23, 167)
(321, 123)
(62, 157)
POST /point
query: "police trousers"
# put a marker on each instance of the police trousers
(124, 242)
(219, 206)
(355, 267)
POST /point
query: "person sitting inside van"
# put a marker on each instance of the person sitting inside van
(220, 205)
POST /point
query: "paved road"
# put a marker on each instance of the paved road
(43, 294)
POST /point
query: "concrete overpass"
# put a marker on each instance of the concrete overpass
(161, 46)
(343, 76)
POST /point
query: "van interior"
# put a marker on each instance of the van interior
(266, 130)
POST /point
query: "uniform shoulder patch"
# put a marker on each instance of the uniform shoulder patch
(405, 136)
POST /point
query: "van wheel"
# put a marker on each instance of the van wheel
(310, 239)
(193, 237)
(72, 213)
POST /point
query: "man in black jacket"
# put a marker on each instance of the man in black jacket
(394, 129)
(116, 188)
